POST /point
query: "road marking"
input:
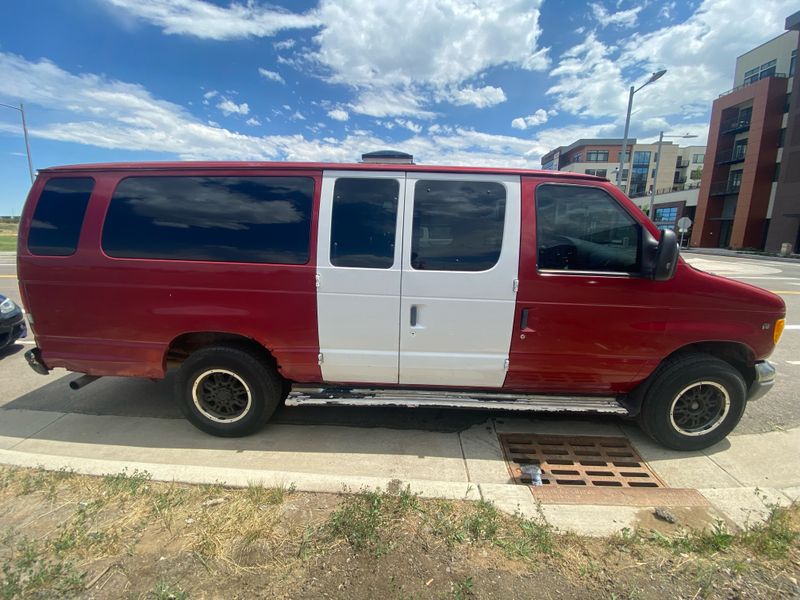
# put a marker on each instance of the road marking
(786, 292)
(26, 342)
(14, 277)
(792, 327)
(793, 362)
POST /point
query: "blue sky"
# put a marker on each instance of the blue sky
(484, 82)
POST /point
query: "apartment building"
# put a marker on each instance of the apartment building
(750, 190)
(679, 167)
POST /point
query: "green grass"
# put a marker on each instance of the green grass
(8, 243)
(30, 571)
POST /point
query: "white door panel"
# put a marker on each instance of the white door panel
(357, 308)
(455, 326)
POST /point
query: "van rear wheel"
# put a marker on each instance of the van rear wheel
(227, 391)
(693, 402)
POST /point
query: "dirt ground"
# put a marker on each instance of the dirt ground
(124, 536)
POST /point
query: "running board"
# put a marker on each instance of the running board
(344, 396)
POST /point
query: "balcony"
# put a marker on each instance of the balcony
(735, 126)
(739, 87)
(725, 188)
(732, 157)
(680, 163)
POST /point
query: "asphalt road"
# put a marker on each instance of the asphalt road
(22, 388)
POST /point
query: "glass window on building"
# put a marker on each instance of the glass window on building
(788, 103)
(641, 157)
(792, 63)
(638, 181)
(751, 76)
(696, 174)
(597, 172)
(698, 159)
(777, 172)
(735, 181)
(767, 69)
(597, 156)
(782, 137)
(576, 157)
(666, 217)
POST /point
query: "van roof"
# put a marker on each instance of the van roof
(229, 165)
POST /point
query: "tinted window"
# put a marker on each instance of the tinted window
(235, 219)
(364, 222)
(458, 225)
(584, 229)
(58, 217)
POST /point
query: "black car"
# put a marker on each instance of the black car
(12, 322)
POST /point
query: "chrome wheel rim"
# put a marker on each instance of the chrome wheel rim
(700, 408)
(221, 396)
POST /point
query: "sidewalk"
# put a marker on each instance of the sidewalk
(794, 258)
(739, 477)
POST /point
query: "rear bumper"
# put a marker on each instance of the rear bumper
(765, 379)
(34, 358)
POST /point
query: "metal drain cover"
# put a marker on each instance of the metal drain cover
(590, 461)
(590, 470)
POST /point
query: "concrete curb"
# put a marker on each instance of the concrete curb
(192, 474)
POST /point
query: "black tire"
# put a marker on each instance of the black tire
(227, 391)
(693, 402)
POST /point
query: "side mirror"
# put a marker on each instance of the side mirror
(666, 258)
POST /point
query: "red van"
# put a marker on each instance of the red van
(386, 283)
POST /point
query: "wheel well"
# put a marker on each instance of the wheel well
(185, 344)
(739, 356)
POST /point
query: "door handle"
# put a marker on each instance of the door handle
(413, 315)
(523, 321)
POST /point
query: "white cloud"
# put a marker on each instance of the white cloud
(298, 116)
(592, 79)
(622, 18)
(442, 46)
(410, 125)
(208, 96)
(229, 107)
(391, 102)
(284, 45)
(337, 114)
(271, 75)
(206, 20)
(253, 121)
(481, 97)
(539, 117)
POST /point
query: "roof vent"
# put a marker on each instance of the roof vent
(388, 157)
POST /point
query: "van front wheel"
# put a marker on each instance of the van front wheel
(693, 402)
(227, 391)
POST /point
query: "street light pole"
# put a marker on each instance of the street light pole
(655, 172)
(623, 156)
(21, 110)
(625, 137)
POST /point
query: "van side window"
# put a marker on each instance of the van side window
(457, 225)
(230, 219)
(57, 220)
(581, 228)
(364, 222)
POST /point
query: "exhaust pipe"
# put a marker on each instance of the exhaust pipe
(82, 381)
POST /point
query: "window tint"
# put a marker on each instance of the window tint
(584, 229)
(235, 219)
(458, 225)
(57, 220)
(364, 222)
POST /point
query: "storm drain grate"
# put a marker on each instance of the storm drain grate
(578, 461)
